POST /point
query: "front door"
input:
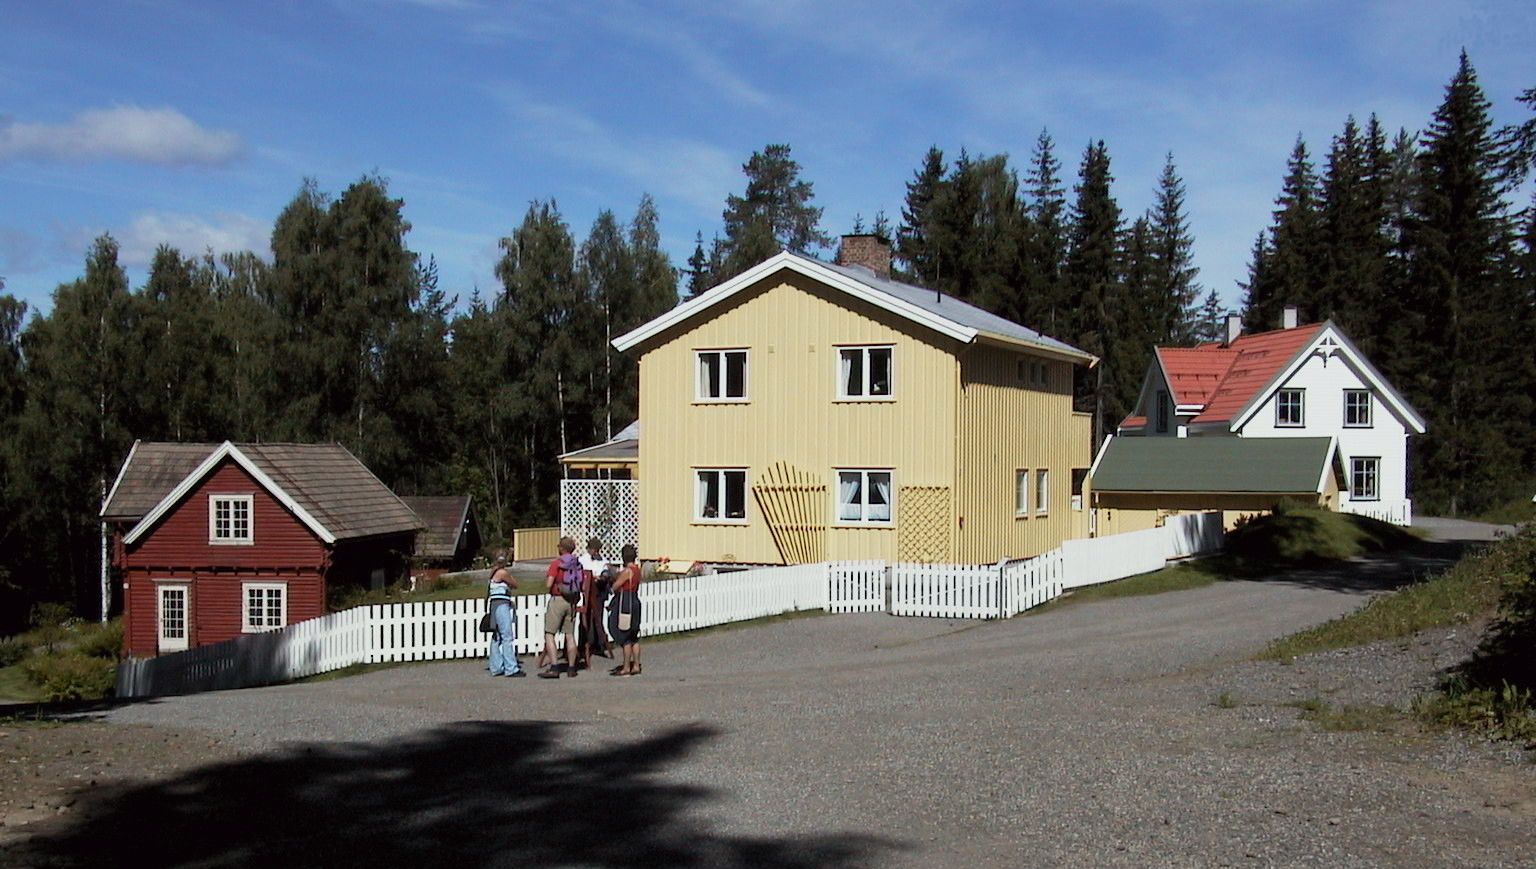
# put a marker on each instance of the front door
(173, 617)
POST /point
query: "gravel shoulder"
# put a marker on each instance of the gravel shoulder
(1127, 732)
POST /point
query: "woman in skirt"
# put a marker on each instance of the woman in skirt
(624, 613)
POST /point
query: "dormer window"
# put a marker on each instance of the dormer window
(1289, 408)
(722, 375)
(864, 373)
(229, 519)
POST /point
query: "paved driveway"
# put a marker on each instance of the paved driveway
(1130, 732)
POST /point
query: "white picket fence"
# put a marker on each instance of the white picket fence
(1396, 512)
(436, 630)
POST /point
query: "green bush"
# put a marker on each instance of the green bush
(1306, 534)
(100, 640)
(70, 676)
(13, 651)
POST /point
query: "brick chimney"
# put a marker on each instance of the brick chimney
(1288, 317)
(1234, 328)
(867, 250)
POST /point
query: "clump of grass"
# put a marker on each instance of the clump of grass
(1466, 592)
(1224, 701)
(70, 675)
(1504, 712)
(1347, 719)
(1299, 534)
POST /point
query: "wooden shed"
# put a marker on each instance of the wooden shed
(213, 540)
(450, 535)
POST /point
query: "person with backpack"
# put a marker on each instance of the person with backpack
(565, 579)
(503, 652)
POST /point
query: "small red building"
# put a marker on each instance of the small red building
(210, 541)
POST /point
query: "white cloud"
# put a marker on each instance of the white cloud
(191, 235)
(161, 136)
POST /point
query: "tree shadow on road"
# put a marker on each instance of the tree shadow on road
(1382, 571)
(466, 794)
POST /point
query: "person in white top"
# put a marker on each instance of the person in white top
(594, 636)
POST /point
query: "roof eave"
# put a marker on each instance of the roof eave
(1073, 355)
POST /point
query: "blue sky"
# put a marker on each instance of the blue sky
(195, 123)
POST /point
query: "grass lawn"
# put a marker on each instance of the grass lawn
(1516, 512)
(14, 685)
(1464, 593)
(1178, 577)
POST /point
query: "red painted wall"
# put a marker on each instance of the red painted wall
(177, 548)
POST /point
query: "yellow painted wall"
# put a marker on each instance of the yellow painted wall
(1006, 425)
(791, 327)
(1121, 512)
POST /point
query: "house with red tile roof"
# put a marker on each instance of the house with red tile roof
(1298, 381)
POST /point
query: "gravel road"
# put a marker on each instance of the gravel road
(1129, 732)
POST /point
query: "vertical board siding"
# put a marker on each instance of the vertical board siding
(1006, 425)
(791, 327)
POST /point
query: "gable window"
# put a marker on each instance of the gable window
(864, 372)
(1042, 491)
(1288, 408)
(266, 606)
(864, 496)
(1162, 412)
(722, 375)
(229, 519)
(1364, 478)
(1357, 408)
(1021, 493)
(720, 495)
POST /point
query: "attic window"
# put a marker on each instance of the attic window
(1289, 408)
(229, 519)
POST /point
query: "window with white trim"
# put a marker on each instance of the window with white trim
(864, 372)
(1289, 411)
(229, 519)
(1364, 478)
(1021, 493)
(720, 495)
(722, 375)
(1042, 491)
(265, 606)
(864, 496)
(1357, 408)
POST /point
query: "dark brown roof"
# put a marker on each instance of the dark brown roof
(445, 518)
(325, 480)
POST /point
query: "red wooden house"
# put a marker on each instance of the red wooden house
(210, 541)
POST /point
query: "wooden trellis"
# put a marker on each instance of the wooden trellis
(795, 505)
(924, 533)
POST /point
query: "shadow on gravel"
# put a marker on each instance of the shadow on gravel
(465, 794)
(1379, 571)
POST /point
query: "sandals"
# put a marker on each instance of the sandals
(617, 671)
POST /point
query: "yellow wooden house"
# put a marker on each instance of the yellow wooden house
(806, 411)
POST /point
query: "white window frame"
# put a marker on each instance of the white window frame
(864, 350)
(864, 505)
(1021, 493)
(213, 520)
(164, 643)
(698, 496)
(700, 382)
(250, 627)
(1042, 491)
(1359, 465)
(1370, 412)
(1301, 408)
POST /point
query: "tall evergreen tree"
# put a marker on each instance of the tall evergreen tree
(1211, 319)
(1292, 270)
(1092, 279)
(1173, 291)
(774, 213)
(913, 245)
(1046, 248)
(1458, 239)
(1139, 316)
(698, 267)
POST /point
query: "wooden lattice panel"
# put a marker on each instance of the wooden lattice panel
(923, 531)
(606, 509)
(795, 504)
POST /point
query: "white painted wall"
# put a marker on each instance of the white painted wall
(1325, 378)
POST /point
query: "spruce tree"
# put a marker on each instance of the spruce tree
(774, 213)
(913, 242)
(1294, 244)
(1173, 291)
(1211, 320)
(1092, 281)
(698, 267)
(1046, 247)
(1458, 243)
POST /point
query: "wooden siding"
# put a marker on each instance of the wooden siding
(177, 549)
(1007, 425)
(791, 327)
